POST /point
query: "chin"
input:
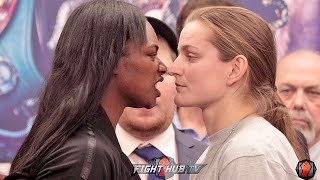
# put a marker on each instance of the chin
(146, 124)
(150, 105)
(181, 102)
(147, 105)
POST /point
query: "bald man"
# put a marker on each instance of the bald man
(298, 84)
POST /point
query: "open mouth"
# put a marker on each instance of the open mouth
(158, 92)
(161, 79)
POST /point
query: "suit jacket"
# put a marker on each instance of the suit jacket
(189, 150)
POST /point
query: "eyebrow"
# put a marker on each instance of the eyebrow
(312, 87)
(154, 46)
(306, 87)
(185, 47)
(287, 84)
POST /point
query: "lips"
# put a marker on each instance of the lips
(301, 122)
(179, 87)
(145, 112)
(157, 90)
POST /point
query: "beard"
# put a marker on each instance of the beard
(147, 127)
(309, 132)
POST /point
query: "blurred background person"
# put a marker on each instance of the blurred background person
(192, 5)
(141, 130)
(189, 120)
(298, 83)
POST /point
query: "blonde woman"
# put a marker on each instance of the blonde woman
(227, 66)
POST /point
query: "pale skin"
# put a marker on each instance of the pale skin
(197, 66)
(298, 83)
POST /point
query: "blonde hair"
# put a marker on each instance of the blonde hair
(238, 31)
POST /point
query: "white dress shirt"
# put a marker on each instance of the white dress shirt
(165, 142)
(315, 157)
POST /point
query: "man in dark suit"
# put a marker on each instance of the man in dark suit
(145, 134)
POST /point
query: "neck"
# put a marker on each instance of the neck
(225, 113)
(139, 127)
(113, 104)
(191, 117)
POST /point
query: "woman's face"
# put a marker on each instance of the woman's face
(200, 74)
(139, 72)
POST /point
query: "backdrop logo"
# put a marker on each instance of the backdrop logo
(165, 167)
(7, 8)
(306, 169)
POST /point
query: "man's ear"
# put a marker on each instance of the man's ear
(239, 66)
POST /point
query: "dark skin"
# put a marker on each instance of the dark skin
(135, 78)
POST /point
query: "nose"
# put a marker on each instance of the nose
(162, 67)
(176, 68)
(299, 100)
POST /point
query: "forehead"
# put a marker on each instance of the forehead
(301, 68)
(195, 34)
